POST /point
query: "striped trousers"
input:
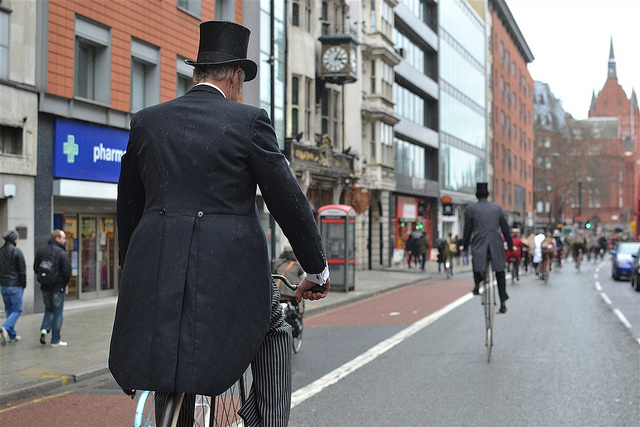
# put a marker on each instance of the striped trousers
(269, 400)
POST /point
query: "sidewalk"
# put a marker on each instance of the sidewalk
(28, 367)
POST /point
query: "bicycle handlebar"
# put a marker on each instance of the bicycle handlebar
(285, 281)
(317, 288)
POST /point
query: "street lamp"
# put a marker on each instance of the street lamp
(588, 179)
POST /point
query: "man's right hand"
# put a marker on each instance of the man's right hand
(304, 290)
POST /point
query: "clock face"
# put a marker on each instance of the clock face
(335, 58)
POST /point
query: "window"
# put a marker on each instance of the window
(410, 159)
(295, 14)
(373, 77)
(294, 121)
(387, 80)
(324, 108)
(295, 90)
(373, 141)
(308, 102)
(192, 7)
(386, 144)
(92, 76)
(145, 75)
(335, 119)
(4, 44)
(10, 140)
(409, 105)
(307, 14)
(184, 80)
(324, 17)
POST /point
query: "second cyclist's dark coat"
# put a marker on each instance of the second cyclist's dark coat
(483, 225)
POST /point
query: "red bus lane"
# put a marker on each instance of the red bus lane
(402, 306)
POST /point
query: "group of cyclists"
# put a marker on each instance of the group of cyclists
(550, 248)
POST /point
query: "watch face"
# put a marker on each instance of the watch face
(335, 58)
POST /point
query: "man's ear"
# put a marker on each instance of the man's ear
(236, 76)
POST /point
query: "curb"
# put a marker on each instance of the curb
(45, 385)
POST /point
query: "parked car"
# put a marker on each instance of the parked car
(635, 272)
(622, 259)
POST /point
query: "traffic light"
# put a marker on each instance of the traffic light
(447, 205)
(587, 225)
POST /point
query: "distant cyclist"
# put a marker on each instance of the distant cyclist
(578, 243)
(514, 254)
(484, 224)
(559, 247)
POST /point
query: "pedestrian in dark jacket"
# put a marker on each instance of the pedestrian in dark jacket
(13, 278)
(53, 293)
(422, 244)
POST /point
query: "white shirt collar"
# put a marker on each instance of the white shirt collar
(213, 86)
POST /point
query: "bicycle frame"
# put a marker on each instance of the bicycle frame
(488, 300)
(206, 408)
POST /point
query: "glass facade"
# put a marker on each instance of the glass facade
(409, 105)
(413, 54)
(460, 170)
(462, 72)
(410, 159)
(459, 22)
(463, 122)
(272, 78)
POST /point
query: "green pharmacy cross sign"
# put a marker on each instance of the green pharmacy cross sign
(70, 148)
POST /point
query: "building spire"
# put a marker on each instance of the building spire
(593, 100)
(612, 63)
(633, 101)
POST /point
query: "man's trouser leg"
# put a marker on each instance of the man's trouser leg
(269, 402)
(502, 287)
(165, 408)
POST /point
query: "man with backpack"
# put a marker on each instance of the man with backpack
(53, 271)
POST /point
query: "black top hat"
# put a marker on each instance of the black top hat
(482, 189)
(225, 43)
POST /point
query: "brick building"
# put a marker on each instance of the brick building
(97, 63)
(612, 101)
(512, 117)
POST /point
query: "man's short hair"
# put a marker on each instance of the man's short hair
(202, 73)
(56, 234)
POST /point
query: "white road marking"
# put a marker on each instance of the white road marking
(598, 287)
(605, 297)
(341, 372)
(622, 318)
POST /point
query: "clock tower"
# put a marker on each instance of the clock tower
(339, 58)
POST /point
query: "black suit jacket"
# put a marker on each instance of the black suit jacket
(194, 299)
(484, 226)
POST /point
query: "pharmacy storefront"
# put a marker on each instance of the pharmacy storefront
(86, 166)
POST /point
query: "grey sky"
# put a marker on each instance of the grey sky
(570, 41)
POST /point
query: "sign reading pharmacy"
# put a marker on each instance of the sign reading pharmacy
(86, 151)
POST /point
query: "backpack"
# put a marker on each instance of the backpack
(47, 270)
(547, 245)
